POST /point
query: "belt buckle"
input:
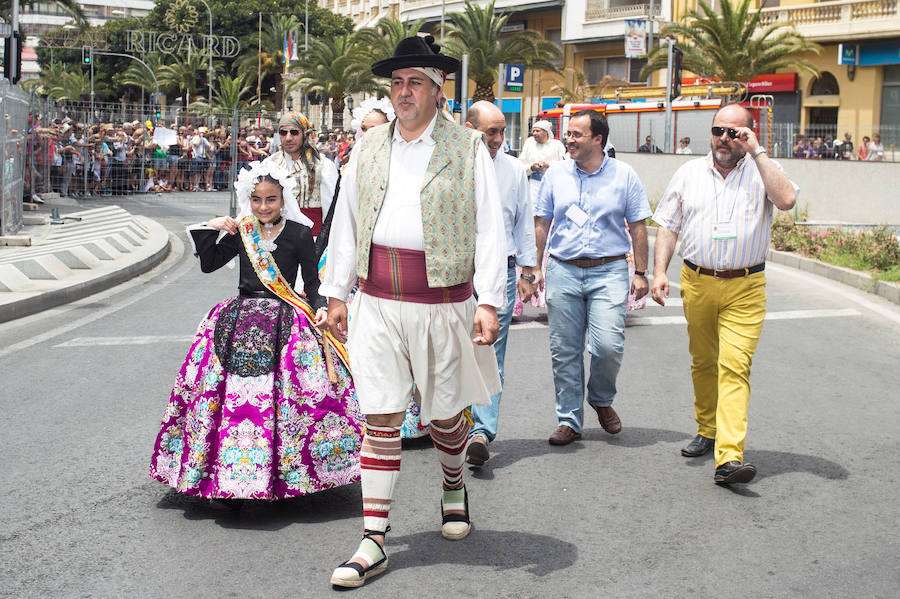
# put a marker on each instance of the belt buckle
(716, 273)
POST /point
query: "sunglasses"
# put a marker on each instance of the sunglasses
(719, 131)
(293, 132)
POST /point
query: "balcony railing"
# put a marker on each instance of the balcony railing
(827, 13)
(600, 10)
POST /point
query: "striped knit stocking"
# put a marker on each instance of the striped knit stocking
(379, 461)
(451, 444)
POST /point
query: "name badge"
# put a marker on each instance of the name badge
(723, 231)
(576, 215)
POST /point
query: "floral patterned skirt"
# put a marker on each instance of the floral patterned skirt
(253, 414)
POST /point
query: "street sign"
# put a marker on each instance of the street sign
(515, 78)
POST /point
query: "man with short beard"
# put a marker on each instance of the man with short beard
(316, 178)
(722, 204)
(418, 221)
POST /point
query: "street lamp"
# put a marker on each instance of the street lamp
(209, 49)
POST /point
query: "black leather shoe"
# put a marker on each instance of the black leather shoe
(699, 446)
(734, 472)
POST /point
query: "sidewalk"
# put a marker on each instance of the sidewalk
(47, 265)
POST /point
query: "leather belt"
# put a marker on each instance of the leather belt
(510, 262)
(592, 262)
(726, 274)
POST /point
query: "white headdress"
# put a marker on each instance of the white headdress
(367, 106)
(249, 177)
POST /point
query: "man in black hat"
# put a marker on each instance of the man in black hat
(418, 221)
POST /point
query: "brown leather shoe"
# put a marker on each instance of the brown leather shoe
(563, 435)
(609, 420)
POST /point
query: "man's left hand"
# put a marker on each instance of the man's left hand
(639, 286)
(487, 327)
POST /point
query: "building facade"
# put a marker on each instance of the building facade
(861, 98)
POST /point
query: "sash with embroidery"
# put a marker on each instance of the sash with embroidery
(269, 275)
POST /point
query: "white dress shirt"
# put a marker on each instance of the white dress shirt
(399, 222)
(699, 198)
(517, 214)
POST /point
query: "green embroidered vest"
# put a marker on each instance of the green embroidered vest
(447, 199)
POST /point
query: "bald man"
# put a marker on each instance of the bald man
(722, 204)
(520, 250)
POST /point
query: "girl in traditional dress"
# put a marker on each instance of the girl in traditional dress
(263, 406)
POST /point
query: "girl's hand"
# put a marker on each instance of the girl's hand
(224, 223)
(321, 317)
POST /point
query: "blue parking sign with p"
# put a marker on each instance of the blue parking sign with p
(515, 78)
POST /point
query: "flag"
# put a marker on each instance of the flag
(284, 49)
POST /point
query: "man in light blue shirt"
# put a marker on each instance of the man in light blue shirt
(588, 199)
(520, 250)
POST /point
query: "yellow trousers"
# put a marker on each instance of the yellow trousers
(724, 320)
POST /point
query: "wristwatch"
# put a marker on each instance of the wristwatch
(759, 150)
(528, 277)
(639, 273)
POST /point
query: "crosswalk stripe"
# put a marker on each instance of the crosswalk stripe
(140, 340)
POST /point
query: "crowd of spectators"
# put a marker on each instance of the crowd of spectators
(76, 160)
(828, 148)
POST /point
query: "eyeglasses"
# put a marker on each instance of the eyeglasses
(720, 131)
(576, 134)
(293, 132)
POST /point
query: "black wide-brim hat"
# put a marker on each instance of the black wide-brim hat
(416, 51)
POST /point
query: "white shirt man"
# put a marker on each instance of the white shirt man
(415, 320)
(540, 150)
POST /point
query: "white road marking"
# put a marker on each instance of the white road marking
(787, 315)
(670, 320)
(143, 340)
(856, 296)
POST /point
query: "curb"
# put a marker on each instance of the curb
(40, 301)
(861, 280)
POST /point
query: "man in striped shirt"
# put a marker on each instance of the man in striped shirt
(722, 205)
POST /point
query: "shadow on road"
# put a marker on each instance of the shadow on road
(325, 506)
(538, 554)
(509, 451)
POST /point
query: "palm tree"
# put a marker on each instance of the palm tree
(733, 46)
(70, 86)
(336, 67)
(231, 93)
(582, 91)
(478, 32)
(270, 60)
(137, 74)
(179, 77)
(381, 40)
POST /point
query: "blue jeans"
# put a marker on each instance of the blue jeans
(579, 301)
(485, 417)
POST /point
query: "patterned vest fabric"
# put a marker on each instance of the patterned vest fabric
(447, 199)
(307, 195)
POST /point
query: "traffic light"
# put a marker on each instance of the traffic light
(12, 57)
(87, 54)
(677, 61)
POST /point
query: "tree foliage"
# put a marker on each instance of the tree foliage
(478, 32)
(734, 46)
(380, 40)
(336, 67)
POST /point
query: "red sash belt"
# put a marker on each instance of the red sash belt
(399, 274)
